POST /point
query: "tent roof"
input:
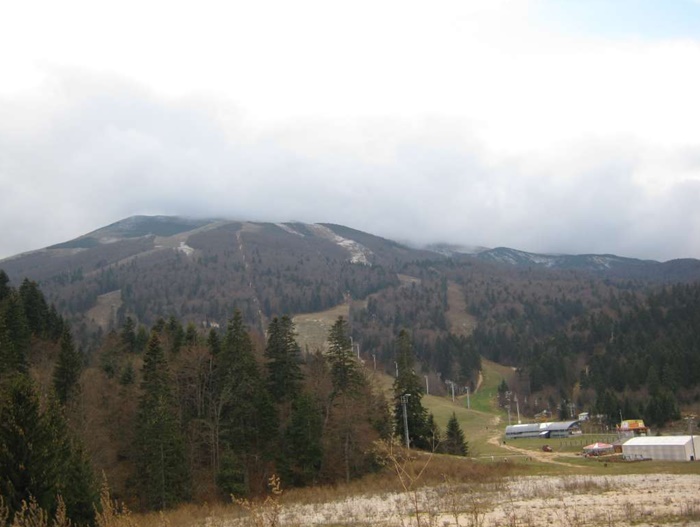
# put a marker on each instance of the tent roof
(542, 427)
(657, 440)
(598, 446)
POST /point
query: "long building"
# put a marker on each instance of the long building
(544, 430)
(662, 448)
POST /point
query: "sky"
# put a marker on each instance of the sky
(558, 126)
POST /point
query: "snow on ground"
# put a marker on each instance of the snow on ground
(358, 252)
(288, 229)
(535, 501)
(185, 249)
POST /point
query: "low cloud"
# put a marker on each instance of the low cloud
(487, 131)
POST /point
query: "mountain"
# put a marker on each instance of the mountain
(200, 270)
(610, 265)
(551, 317)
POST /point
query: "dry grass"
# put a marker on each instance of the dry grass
(313, 328)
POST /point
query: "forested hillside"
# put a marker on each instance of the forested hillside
(153, 322)
(174, 413)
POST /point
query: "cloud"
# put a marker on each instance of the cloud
(467, 122)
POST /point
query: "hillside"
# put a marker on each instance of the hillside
(547, 316)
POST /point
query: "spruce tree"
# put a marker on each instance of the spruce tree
(162, 472)
(75, 480)
(345, 370)
(29, 465)
(4, 287)
(39, 457)
(454, 443)
(248, 419)
(15, 336)
(66, 374)
(283, 360)
(349, 427)
(301, 452)
(127, 336)
(35, 307)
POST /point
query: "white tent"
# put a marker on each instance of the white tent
(662, 448)
(599, 449)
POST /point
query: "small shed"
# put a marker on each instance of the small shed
(662, 448)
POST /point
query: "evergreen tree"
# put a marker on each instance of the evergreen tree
(15, 335)
(35, 307)
(283, 360)
(38, 456)
(66, 374)
(409, 386)
(162, 472)
(214, 343)
(248, 417)
(141, 339)
(75, 481)
(176, 334)
(4, 287)
(127, 336)
(455, 443)
(345, 371)
(191, 335)
(301, 454)
(29, 466)
(349, 421)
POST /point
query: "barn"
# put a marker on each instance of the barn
(662, 448)
(543, 430)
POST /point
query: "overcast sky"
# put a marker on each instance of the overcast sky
(543, 125)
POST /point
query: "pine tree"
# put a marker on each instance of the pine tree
(162, 471)
(454, 443)
(66, 375)
(409, 386)
(283, 360)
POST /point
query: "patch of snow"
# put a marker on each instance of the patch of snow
(358, 252)
(288, 229)
(540, 259)
(109, 239)
(185, 249)
(602, 261)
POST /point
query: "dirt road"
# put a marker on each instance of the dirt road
(537, 455)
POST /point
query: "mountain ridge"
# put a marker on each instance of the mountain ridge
(203, 269)
(138, 226)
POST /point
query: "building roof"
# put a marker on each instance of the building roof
(541, 427)
(657, 441)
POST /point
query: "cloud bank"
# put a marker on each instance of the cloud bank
(475, 124)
